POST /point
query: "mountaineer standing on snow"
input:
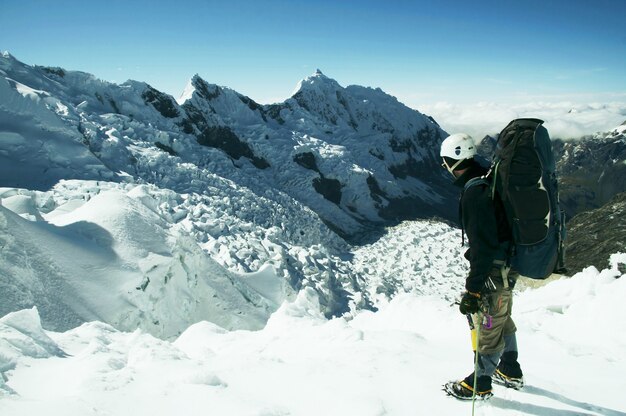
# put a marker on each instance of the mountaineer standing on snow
(488, 296)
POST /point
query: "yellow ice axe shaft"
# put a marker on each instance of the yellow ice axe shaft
(474, 336)
(473, 333)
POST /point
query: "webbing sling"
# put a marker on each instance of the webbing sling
(504, 272)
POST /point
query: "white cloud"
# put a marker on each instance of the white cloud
(563, 119)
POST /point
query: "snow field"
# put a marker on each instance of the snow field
(424, 257)
(142, 240)
(107, 253)
(390, 362)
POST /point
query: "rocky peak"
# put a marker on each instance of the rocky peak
(487, 147)
(204, 89)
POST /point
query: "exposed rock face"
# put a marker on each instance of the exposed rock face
(594, 235)
(164, 103)
(591, 170)
(487, 147)
(306, 160)
(328, 188)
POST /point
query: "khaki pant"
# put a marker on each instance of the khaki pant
(497, 322)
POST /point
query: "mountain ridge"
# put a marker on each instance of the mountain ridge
(376, 159)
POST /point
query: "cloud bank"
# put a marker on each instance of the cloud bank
(564, 120)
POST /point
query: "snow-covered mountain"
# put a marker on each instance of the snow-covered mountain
(216, 208)
(355, 156)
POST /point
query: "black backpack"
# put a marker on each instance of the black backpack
(523, 176)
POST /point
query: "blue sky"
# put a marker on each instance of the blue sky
(422, 52)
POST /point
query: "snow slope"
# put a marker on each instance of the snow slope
(111, 258)
(136, 256)
(390, 362)
(36, 147)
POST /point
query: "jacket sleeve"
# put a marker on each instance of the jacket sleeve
(479, 222)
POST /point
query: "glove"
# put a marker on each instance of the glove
(470, 303)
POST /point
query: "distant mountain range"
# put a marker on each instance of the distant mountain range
(355, 155)
(591, 170)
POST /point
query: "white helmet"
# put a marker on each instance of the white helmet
(458, 146)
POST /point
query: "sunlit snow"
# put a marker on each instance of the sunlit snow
(144, 274)
(391, 362)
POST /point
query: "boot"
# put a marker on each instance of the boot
(463, 389)
(509, 373)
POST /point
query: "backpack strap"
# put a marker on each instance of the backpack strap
(478, 180)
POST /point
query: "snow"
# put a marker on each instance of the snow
(619, 130)
(294, 360)
(107, 255)
(150, 253)
(37, 147)
(187, 93)
(266, 283)
(138, 280)
(388, 362)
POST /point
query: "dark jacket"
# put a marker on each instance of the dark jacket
(484, 222)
